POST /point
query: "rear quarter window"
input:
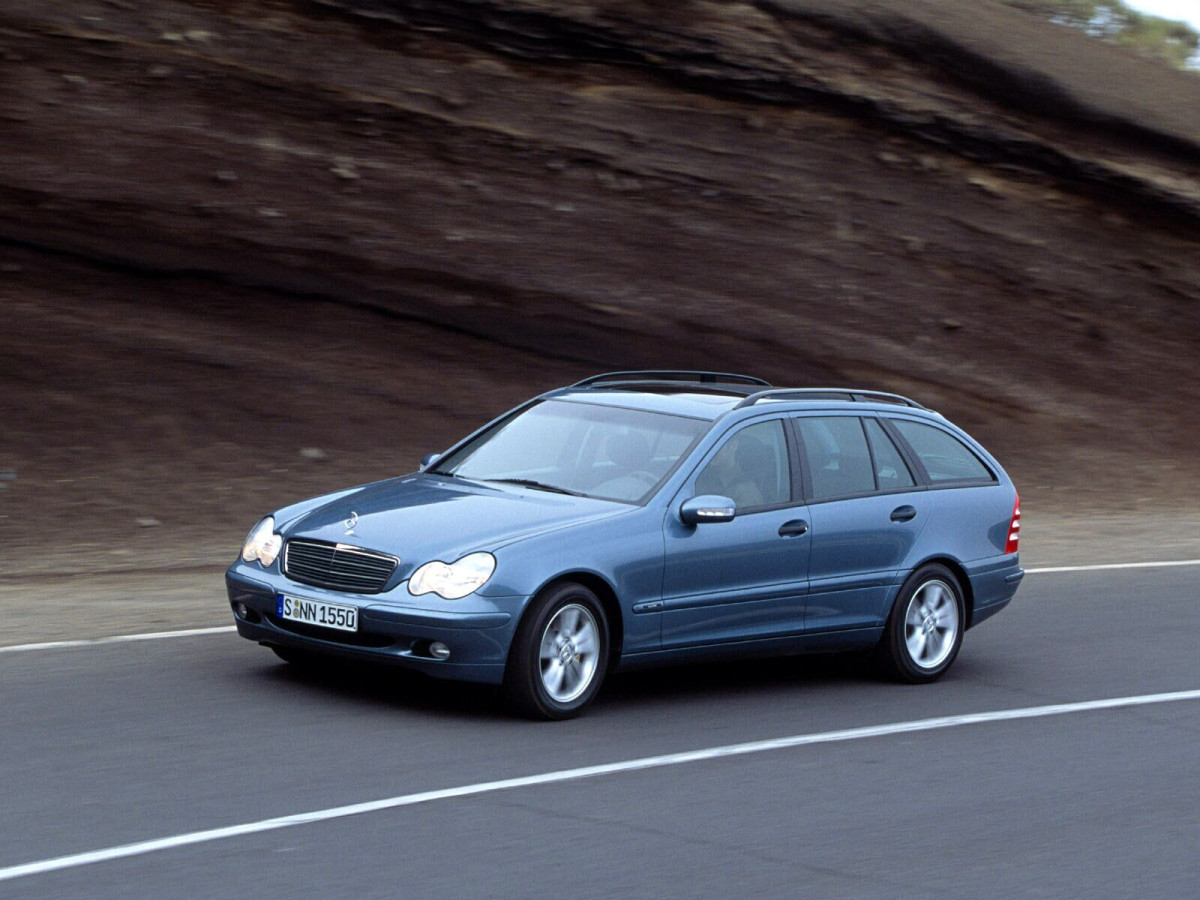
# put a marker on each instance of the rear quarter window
(944, 456)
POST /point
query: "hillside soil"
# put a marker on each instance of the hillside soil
(252, 250)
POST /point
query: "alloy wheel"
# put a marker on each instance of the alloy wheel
(569, 653)
(931, 624)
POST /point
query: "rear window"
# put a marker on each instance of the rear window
(944, 456)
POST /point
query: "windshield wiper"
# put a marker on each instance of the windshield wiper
(538, 485)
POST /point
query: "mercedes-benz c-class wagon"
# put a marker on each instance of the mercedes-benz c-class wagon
(643, 518)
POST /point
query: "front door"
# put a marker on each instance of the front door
(744, 579)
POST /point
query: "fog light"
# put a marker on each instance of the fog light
(438, 650)
(241, 610)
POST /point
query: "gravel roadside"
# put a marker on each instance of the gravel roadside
(37, 607)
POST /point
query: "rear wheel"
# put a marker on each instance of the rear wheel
(559, 655)
(925, 629)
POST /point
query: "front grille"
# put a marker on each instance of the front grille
(337, 567)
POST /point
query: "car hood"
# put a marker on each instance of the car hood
(425, 517)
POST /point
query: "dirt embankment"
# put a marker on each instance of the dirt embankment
(234, 230)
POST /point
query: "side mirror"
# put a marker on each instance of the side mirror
(429, 459)
(707, 508)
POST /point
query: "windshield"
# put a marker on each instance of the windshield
(579, 448)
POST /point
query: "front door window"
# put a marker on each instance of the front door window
(751, 469)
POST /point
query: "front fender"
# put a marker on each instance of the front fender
(623, 552)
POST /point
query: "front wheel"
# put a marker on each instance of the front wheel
(925, 629)
(559, 655)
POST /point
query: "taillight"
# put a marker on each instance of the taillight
(1014, 527)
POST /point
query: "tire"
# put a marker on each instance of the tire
(559, 655)
(294, 657)
(925, 628)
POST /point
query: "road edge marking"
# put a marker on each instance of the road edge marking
(119, 639)
(141, 848)
(1163, 564)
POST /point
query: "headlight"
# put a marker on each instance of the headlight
(453, 581)
(262, 543)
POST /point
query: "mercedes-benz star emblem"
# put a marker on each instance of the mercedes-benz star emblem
(351, 522)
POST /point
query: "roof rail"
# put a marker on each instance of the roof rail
(844, 394)
(671, 375)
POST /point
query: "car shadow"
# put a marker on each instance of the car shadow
(702, 683)
(714, 680)
(390, 686)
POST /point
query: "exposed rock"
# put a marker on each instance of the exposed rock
(344, 168)
(991, 186)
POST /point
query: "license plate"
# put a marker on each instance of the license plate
(316, 612)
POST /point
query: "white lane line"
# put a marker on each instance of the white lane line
(1096, 568)
(632, 765)
(226, 629)
(118, 639)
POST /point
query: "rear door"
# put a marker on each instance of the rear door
(867, 510)
(745, 579)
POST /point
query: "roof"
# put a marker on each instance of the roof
(679, 402)
(710, 395)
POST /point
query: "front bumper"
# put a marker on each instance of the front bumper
(387, 632)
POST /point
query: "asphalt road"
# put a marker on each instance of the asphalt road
(112, 744)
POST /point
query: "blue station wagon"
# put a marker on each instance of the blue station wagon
(642, 518)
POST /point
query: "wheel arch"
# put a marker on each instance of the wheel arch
(960, 574)
(606, 594)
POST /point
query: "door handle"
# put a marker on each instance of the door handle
(903, 514)
(794, 528)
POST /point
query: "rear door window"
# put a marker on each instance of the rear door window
(944, 456)
(891, 473)
(839, 462)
